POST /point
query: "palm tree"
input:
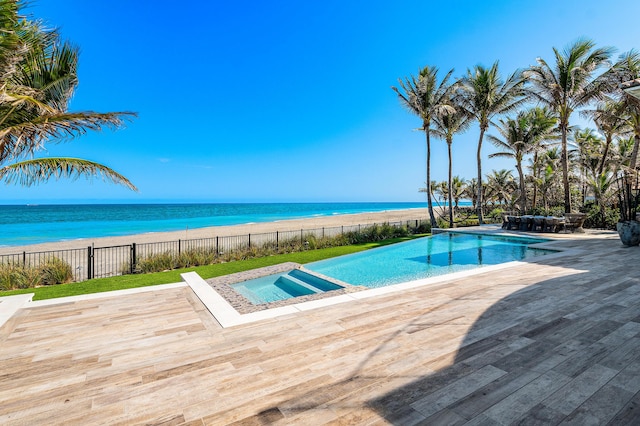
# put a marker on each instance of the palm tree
(567, 85)
(621, 151)
(459, 187)
(520, 136)
(442, 190)
(501, 184)
(471, 192)
(548, 163)
(628, 68)
(485, 95)
(427, 98)
(598, 179)
(590, 148)
(608, 117)
(601, 185)
(37, 79)
(446, 126)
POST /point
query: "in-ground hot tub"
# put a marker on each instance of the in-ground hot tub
(286, 285)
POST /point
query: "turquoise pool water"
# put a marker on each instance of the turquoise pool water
(426, 257)
(282, 286)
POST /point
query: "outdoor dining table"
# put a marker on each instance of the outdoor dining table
(530, 223)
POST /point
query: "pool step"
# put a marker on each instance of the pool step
(300, 283)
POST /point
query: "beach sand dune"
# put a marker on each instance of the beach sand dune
(221, 231)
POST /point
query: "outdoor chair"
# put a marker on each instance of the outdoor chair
(551, 224)
(514, 223)
(526, 223)
(538, 224)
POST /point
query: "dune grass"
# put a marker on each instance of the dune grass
(122, 282)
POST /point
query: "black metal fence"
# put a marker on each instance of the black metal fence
(98, 262)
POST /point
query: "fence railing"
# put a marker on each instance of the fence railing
(99, 262)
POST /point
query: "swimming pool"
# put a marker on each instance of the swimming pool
(427, 257)
(408, 261)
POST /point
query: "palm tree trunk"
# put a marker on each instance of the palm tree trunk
(432, 217)
(565, 171)
(450, 185)
(604, 154)
(535, 180)
(479, 160)
(634, 152)
(523, 194)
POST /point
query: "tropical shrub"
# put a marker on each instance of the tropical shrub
(12, 277)
(156, 262)
(55, 271)
(422, 228)
(442, 223)
(377, 233)
(17, 276)
(472, 221)
(595, 218)
(496, 215)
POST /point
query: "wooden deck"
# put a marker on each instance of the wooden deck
(548, 342)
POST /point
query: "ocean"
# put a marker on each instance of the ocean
(33, 224)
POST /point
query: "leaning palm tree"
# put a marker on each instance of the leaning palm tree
(609, 118)
(427, 98)
(570, 83)
(521, 136)
(485, 95)
(38, 76)
(438, 192)
(445, 127)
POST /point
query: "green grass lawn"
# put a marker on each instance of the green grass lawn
(99, 285)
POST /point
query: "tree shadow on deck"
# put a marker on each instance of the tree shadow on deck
(564, 349)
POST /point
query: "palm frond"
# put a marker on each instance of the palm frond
(24, 138)
(38, 170)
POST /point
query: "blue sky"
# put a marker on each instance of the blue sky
(289, 100)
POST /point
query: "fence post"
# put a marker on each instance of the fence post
(24, 259)
(249, 240)
(89, 262)
(134, 257)
(301, 242)
(323, 232)
(217, 251)
(179, 247)
(277, 241)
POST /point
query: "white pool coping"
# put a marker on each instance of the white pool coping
(227, 316)
(9, 305)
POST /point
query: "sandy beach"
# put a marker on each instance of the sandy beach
(220, 231)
